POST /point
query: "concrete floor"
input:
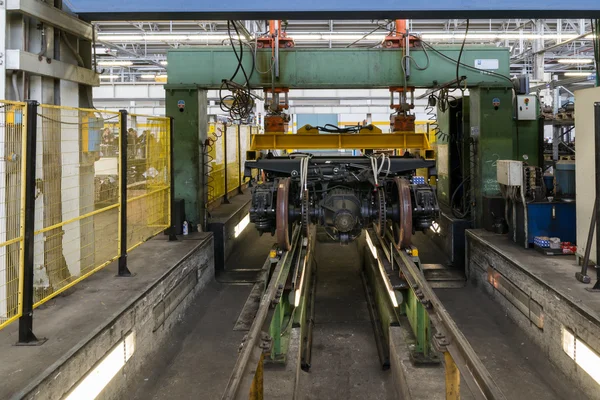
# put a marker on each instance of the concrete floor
(74, 316)
(558, 272)
(345, 364)
(203, 350)
(519, 367)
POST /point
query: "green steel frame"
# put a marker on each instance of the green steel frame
(300, 68)
(193, 71)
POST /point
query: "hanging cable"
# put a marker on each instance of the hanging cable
(462, 47)
(304, 163)
(240, 102)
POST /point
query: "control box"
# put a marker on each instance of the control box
(526, 108)
(509, 172)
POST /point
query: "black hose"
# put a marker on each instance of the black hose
(462, 47)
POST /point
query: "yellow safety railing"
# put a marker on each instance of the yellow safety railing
(77, 197)
(236, 139)
(76, 200)
(148, 178)
(12, 208)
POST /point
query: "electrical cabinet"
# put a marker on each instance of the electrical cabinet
(526, 108)
(510, 172)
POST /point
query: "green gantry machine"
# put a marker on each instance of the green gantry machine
(488, 129)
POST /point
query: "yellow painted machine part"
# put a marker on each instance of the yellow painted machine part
(396, 140)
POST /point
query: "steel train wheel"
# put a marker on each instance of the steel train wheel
(282, 231)
(381, 211)
(403, 227)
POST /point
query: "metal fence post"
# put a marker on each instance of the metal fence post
(225, 177)
(123, 270)
(596, 287)
(26, 336)
(173, 228)
(239, 156)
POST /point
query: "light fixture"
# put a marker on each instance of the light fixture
(298, 291)
(162, 38)
(371, 246)
(101, 375)
(576, 60)
(163, 63)
(491, 36)
(581, 353)
(147, 76)
(386, 280)
(239, 228)
(581, 73)
(109, 76)
(115, 63)
(435, 227)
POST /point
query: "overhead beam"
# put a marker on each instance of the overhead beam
(300, 68)
(328, 9)
(18, 60)
(52, 16)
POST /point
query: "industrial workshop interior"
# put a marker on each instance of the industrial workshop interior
(299, 200)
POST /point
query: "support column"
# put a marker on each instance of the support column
(189, 107)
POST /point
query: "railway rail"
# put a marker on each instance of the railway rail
(396, 290)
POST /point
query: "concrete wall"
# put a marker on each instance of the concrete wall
(558, 312)
(151, 317)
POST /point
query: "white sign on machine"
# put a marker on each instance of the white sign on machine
(487, 63)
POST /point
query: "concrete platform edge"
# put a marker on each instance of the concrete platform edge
(559, 311)
(137, 316)
(412, 382)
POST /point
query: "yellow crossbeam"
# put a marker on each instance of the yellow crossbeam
(396, 140)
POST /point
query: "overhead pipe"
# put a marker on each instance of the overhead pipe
(16, 86)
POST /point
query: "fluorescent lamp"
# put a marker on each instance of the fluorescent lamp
(163, 63)
(583, 73)
(371, 246)
(115, 63)
(386, 280)
(581, 353)
(239, 228)
(491, 36)
(162, 38)
(575, 60)
(101, 375)
(387, 283)
(325, 36)
(147, 76)
(298, 292)
(109, 76)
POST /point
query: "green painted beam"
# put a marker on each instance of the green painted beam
(302, 68)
